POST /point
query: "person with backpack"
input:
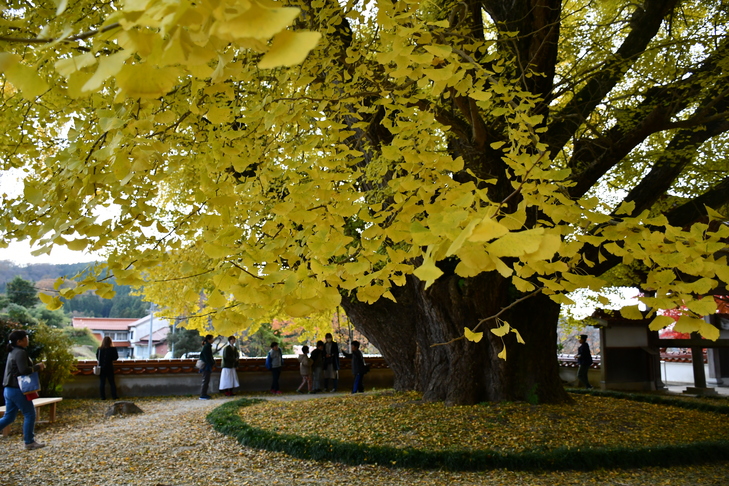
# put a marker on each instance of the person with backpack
(274, 362)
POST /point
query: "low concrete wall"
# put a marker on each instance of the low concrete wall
(139, 378)
(179, 376)
(673, 372)
(569, 376)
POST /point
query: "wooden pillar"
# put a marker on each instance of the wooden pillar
(697, 359)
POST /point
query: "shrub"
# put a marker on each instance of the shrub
(54, 349)
(81, 337)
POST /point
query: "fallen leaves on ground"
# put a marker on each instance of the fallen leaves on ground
(403, 420)
(171, 444)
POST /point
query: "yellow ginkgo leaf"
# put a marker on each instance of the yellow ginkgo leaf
(108, 66)
(703, 307)
(519, 339)
(145, 81)
(67, 66)
(713, 214)
(52, 303)
(23, 77)
(501, 330)
(472, 336)
(688, 324)
(487, 230)
(708, 331)
(631, 312)
(502, 354)
(428, 272)
(289, 48)
(256, 22)
(660, 322)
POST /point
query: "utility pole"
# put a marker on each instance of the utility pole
(174, 329)
(151, 328)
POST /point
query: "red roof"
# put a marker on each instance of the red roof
(157, 336)
(103, 323)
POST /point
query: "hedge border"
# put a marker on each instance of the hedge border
(659, 400)
(225, 419)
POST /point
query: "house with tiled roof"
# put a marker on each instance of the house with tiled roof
(116, 328)
(139, 336)
(129, 336)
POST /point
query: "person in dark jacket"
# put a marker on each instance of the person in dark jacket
(331, 363)
(317, 366)
(584, 360)
(206, 355)
(358, 368)
(19, 364)
(106, 354)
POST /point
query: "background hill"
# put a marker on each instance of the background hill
(43, 275)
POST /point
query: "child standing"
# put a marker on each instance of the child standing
(305, 368)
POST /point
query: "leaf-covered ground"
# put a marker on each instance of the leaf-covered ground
(171, 444)
(402, 420)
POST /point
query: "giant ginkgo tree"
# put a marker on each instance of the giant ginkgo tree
(447, 172)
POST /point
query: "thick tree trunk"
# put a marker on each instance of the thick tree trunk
(411, 335)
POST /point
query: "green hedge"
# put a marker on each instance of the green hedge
(720, 407)
(225, 419)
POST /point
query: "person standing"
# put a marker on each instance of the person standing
(106, 354)
(229, 374)
(305, 369)
(331, 363)
(206, 355)
(19, 364)
(584, 360)
(358, 368)
(275, 361)
(317, 366)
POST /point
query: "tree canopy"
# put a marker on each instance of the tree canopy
(540, 143)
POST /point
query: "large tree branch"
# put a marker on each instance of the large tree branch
(695, 209)
(536, 46)
(645, 23)
(679, 153)
(688, 213)
(593, 158)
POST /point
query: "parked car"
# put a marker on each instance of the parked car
(191, 355)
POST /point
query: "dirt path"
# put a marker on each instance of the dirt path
(172, 444)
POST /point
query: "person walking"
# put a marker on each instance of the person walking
(19, 364)
(229, 374)
(206, 355)
(358, 368)
(584, 360)
(274, 362)
(106, 354)
(305, 369)
(331, 363)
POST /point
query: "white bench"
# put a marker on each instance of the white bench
(38, 403)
